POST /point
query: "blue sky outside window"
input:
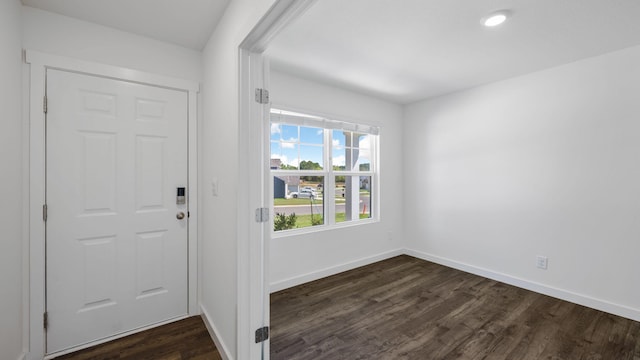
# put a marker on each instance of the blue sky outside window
(311, 153)
(289, 132)
(309, 135)
(338, 138)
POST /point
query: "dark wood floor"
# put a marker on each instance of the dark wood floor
(406, 308)
(181, 340)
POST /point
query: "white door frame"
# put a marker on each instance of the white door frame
(40, 62)
(253, 156)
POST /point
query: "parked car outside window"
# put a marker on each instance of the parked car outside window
(304, 193)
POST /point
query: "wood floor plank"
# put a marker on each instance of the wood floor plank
(406, 308)
(180, 340)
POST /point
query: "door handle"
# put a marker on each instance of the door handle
(180, 215)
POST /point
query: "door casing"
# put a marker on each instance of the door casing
(39, 62)
(254, 238)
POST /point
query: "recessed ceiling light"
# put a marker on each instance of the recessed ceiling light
(495, 18)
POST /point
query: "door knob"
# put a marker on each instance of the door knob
(180, 215)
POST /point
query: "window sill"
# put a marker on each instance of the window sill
(321, 228)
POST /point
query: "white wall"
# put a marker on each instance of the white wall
(11, 310)
(219, 159)
(64, 36)
(300, 258)
(543, 164)
(60, 35)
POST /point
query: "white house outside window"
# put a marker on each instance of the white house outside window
(324, 171)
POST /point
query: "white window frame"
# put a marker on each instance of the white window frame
(309, 119)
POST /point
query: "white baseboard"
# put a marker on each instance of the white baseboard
(213, 332)
(598, 304)
(315, 275)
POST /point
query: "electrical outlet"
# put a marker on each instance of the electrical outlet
(542, 262)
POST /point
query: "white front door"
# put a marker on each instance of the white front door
(116, 245)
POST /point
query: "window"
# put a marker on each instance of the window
(324, 171)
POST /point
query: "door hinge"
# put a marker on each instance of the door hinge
(45, 105)
(45, 320)
(262, 96)
(262, 334)
(262, 215)
(45, 212)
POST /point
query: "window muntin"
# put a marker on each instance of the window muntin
(300, 177)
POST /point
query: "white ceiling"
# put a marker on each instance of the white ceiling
(187, 23)
(402, 51)
(409, 50)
